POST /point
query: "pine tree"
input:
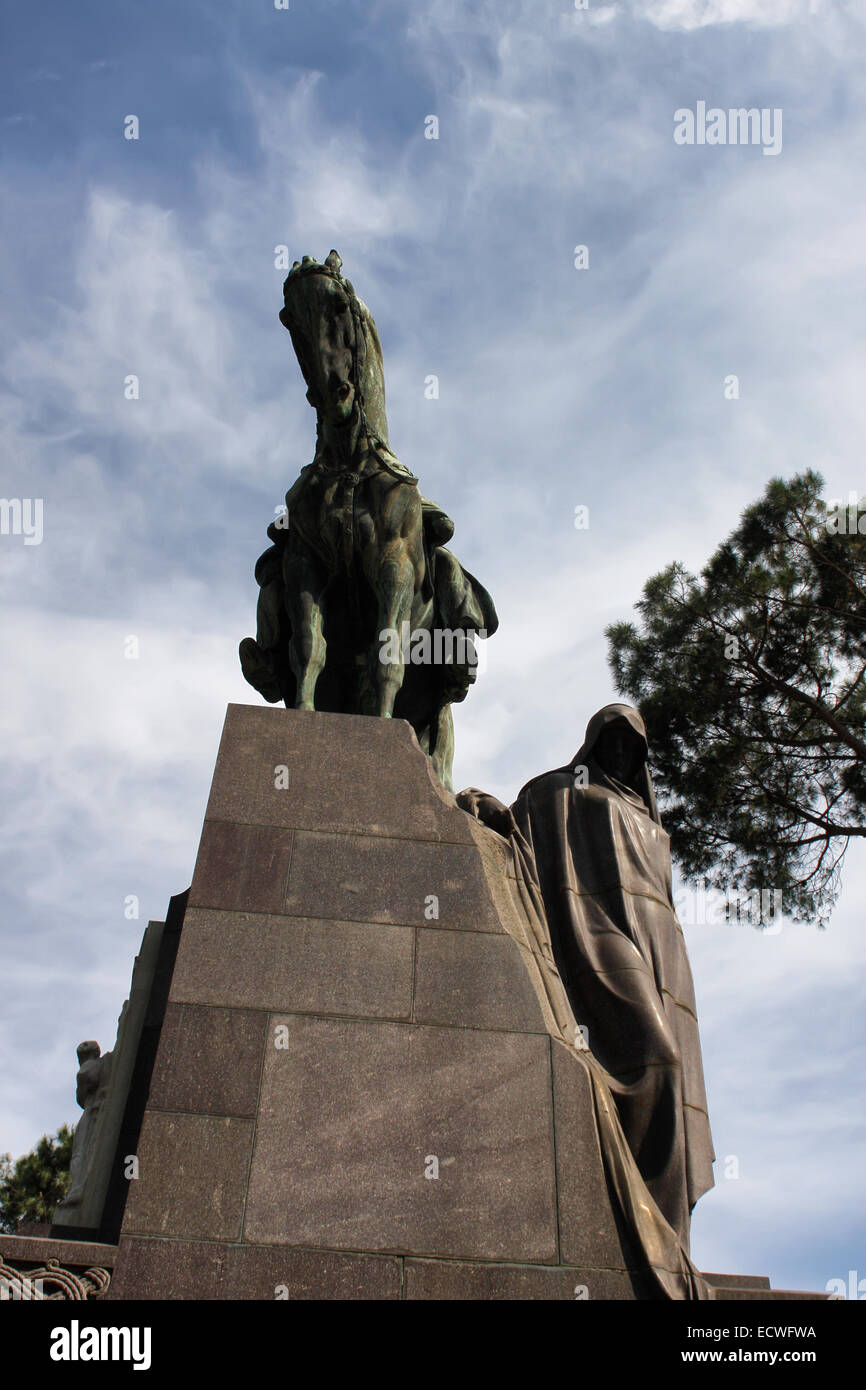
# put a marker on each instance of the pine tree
(750, 682)
(31, 1188)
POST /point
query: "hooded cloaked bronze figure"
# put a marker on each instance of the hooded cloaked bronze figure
(591, 837)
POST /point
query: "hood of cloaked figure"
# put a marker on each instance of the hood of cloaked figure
(641, 786)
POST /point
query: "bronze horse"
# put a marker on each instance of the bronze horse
(359, 554)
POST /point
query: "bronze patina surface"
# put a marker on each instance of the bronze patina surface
(592, 847)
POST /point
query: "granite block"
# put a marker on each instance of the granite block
(209, 1061)
(167, 1269)
(351, 1115)
(738, 1281)
(180, 1269)
(368, 879)
(452, 1279)
(241, 867)
(588, 1228)
(192, 1177)
(258, 1272)
(295, 964)
(474, 980)
(329, 761)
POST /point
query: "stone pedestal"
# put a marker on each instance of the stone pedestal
(360, 1088)
(365, 1085)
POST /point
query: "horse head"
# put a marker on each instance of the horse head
(337, 345)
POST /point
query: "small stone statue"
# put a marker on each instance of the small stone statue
(92, 1082)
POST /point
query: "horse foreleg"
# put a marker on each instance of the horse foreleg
(307, 647)
(395, 590)
(442, 741)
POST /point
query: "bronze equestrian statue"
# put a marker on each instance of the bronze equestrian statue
(358, 564)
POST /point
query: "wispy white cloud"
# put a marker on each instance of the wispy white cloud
(698, 14)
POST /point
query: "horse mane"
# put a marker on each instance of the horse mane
(373, 384)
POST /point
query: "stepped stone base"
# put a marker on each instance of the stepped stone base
(190, 1269)
(360, 1090)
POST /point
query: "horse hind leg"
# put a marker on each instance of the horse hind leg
(368, 694)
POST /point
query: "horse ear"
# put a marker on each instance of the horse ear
(333, 262)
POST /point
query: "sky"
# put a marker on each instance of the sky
(559, 386)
